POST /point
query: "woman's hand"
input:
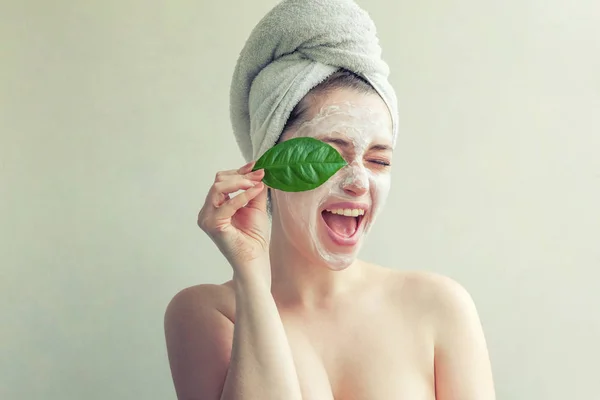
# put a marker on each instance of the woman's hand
(239, 225)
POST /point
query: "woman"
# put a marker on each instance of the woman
(303, 317)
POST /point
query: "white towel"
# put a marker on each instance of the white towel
(296, 46)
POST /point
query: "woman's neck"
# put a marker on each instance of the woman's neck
(301, 281)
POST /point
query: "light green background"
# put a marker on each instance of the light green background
(114, 119)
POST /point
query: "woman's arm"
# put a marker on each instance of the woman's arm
(262, 366)
(211, 359)
(462, 365)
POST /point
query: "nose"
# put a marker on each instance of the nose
(356, 181)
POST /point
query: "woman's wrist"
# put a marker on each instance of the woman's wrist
(253, 272)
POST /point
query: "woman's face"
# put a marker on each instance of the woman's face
(330, 222)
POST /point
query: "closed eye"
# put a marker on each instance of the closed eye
(380, 162)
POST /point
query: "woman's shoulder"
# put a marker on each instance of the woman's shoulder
(424, 288)
(427, 282)
(207, 295)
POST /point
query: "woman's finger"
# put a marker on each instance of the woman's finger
(246, 168)
(218, 199)
(259, 202)
(222, 175)
(229, 208)
(234, 183)
(220, 191)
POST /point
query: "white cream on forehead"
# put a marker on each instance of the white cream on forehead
(358, 122)
(299, 212)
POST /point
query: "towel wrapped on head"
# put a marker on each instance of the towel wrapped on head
(296, 46)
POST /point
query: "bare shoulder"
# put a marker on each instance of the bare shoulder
(442, 301)
(446, 297)
(431, 293)
(462, 366)
(195, 298)
(438, 288)
(199, 334)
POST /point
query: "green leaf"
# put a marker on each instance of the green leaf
(299, 164)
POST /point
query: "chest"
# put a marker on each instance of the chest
(363, 356)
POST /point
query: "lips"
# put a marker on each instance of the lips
(344, 228)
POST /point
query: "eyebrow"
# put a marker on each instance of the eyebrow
(343, 143)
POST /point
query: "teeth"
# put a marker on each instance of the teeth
(348, 212)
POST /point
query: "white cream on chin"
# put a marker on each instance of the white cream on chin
(360, 181)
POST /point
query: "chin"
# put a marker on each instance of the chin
(342, 264)
(335, 257)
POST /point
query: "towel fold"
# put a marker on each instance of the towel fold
(296, 46)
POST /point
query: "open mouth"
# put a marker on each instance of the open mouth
(344, 223)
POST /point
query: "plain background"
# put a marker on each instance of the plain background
(114, 119)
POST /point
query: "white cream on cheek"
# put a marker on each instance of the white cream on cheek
(299, 213)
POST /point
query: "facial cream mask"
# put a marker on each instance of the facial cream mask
(331, 220)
